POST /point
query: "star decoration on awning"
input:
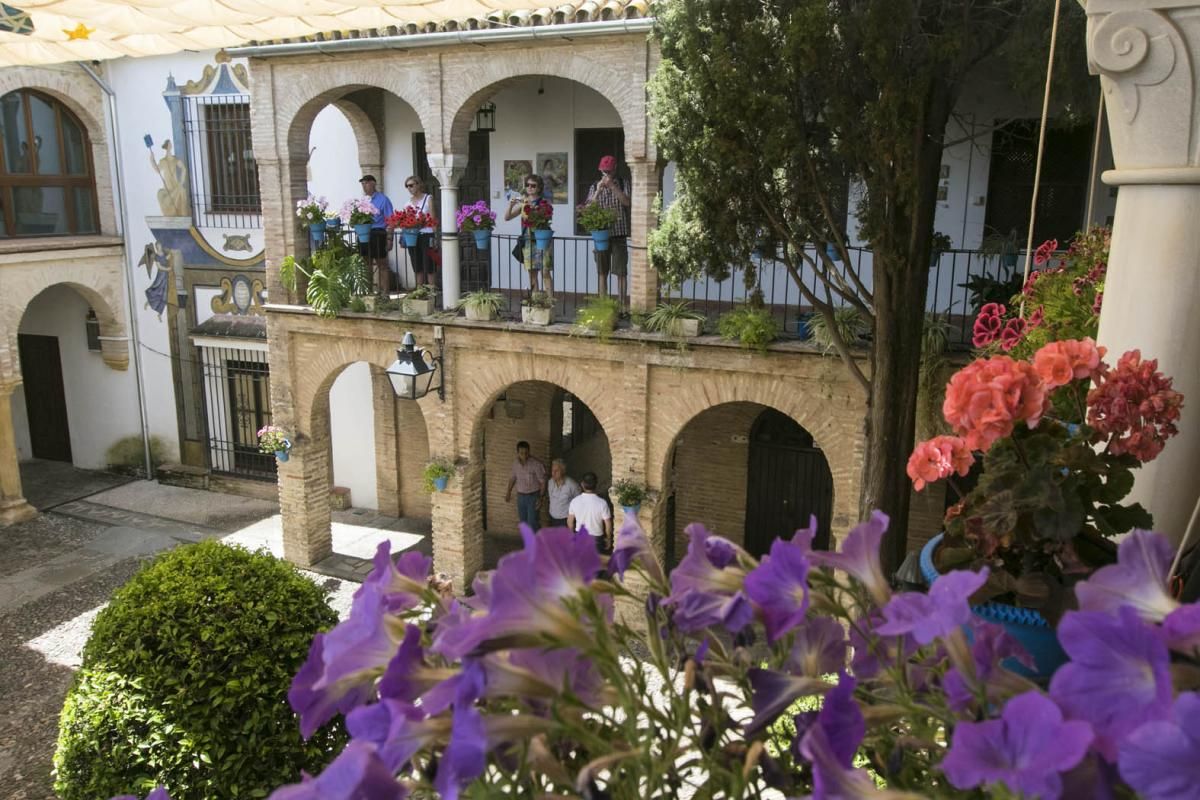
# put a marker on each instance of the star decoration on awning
(80, 31)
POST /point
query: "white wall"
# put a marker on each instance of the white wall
(333, 168)
(101, 402)
(352, 430)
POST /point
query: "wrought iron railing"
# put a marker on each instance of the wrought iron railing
(220, 155)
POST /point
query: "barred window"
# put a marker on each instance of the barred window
(224, 174)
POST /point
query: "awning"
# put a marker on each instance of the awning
(56, 31)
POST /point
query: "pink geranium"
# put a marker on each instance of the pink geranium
(1014, 329)
(1135, 406)
(1044, 251)
(986, 398)
(988, 324)
(1059, 363)
(937, 458)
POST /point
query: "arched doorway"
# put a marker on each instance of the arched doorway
(787, 482)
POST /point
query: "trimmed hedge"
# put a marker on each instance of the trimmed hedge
(185, 677)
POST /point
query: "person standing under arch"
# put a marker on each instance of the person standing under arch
(535, 260)
(610, 193)
(420, 256)
(375, 250)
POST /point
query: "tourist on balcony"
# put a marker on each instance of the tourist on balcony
(535, 260)
(561, 489)
(421, 256)
(375, 250)
(611, 193)
(529, 479)
(590, 512)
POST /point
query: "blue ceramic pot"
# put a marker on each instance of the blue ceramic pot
(317, 229)
(281, 455)
(631, 511)
(542, 237)
(363, 232)
(333, 224)
(482, 239)
(440, 483)
(1025, 625)
(600, 239)
(411, 236)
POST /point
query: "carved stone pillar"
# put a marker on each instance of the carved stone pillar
(448, 168)
(1144, 57)
(13, 506)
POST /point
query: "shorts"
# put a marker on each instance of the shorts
(419, 255)
(376, 245)
(614, 260)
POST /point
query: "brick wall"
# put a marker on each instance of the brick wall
(413, 448)
(500, 436)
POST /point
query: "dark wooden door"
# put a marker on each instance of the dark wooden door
(475, 184)
(788, 482)
(45, 397)
(591, 145)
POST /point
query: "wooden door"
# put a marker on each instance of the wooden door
(45, 397)
(592, 144)
(788, 481)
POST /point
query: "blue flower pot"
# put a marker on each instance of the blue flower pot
(440, 483)
(542, 237)
(802, 329)
(1010, 260)
(483, 238)
(363, 232)
(1025, 625)
(317, 229)
(333, 224)
(282, 455)
(411, 236)
(600, 239)
(631, 511)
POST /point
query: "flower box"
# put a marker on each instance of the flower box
(480, 313)
(532, 315)
(419, 308)
(684, 328)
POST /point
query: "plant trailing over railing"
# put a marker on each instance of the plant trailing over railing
(334, 274)
(595, 217)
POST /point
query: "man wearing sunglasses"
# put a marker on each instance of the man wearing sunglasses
(375, 250)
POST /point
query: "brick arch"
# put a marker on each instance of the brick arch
(469, 84)
(98, 287)
(370, 153)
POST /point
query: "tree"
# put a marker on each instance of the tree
(779, 115)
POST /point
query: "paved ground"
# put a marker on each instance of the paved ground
(57, 570)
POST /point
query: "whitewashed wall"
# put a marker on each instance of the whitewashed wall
(352, 430)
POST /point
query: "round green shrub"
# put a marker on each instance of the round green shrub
(185, 677)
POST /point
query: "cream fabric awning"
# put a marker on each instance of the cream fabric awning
(89, 30)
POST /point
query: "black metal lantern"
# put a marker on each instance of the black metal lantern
(485, 118)
(412, 372)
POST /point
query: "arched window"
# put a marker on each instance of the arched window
(47, 184)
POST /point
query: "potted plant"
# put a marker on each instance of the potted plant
(536, 217)
(848, 321)
(478, 219)
(598, 220)
(629, 495)
(1057, 460)
(437, 474)
(311, 211)
(410, 221)
(598, 315)
(536, 309)
(482, 305)
(941, 244)
(751, 325)
(332, 222)
(273, 440)
(359, 213)
(335, 273)
(1002, 247)
(674, 319)
(419, 302)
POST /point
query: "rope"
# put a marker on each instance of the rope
(1037, 175)
(1087, 220)
(1187, 535)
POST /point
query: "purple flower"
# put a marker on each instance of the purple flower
(703, 569)
(560, 670)
(356, 773)
(633, 544)
(695, 611)
(398, 730)
(402, 581)
(774, 692)
(830, 743)
(990, 644)
(1182, 629)
(934, 615)
(1025, 749)
(157, 794)
(1161, 760)
(1138, 579)
(407, 677)
(466, 753)
(1118, 675)
(818, 649)
(871, 650)
(860, 557)
(779, 586)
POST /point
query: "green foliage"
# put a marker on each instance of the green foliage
(932, 390)
(754, 327)
(986, 289)
(664, 317)
(335, 273)
(629, 492)
(483, 299)
(598, 315)
(185, 677)
(847, 320)
(538, 300)
(129, 452)
(595, 217)
(437, 468)
(422, 292)
(357, 305)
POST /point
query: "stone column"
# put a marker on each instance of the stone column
(643, 281)
(457, 532)
(448, 168)
(387, 444)
(13, 506)
(304, 490)
(1144, 58)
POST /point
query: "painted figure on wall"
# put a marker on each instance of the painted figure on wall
(173, 197)
(158, 269)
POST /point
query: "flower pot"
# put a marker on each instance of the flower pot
(631, 511)
(600, 239)
(1010, 260)
(483, 239)
(369, 302)
(363, 232)
(542, 237)
(684, 328)
(1025, 625)
(411, 236)
(317, 231)
(420, 308)
(439, 483)
(480, 313)
(935, 258)
(333, 224)
(535, 316)
(283, 455)
(802, 329)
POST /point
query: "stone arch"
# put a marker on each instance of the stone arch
(105, 300)
(370, 154)
(83, 98)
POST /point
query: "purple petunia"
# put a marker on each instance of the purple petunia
(1138, 579)
(990, 644)
(860, 557)
(870, 650)
(1161, 760)
(830, 743)
(356, 773)
(774, 693)
(1117, 678)
(1026, 749)
(934, 615)
(819, 648)
(402, 580)
(779, 585)
(631, 545)
(706, 586)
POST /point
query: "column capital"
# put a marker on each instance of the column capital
(448, 168)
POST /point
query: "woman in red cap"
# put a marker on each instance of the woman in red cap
(610, 193)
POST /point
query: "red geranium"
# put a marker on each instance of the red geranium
(409, 218)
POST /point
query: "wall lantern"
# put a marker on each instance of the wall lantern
(485, 118)
(412, 372)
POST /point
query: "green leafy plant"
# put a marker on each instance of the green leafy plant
(986, 288)
(1001, 245)
(357, 305)
(423, 292)
(272, 439)
(335, 273)
(436, 468)
(848, 321)
(538, 300)
(628, 492)
(941, 242)
(665, 316)
(185, 678)
(598, 315)
(935, 338)
(595, 217)
(483, 300)
(754, 327)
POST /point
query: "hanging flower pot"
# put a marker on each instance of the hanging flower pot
(333, 223)
(317, 231)
(363, 232)
(631, 511)
(600, 239)
(542, 237)
(281, 455)
(440, 483)
(411, 236)
(483, 238)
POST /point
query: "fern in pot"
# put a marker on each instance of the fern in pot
(482, 305)
(674, 319)
(847, 320)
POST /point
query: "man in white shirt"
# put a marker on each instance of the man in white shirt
(561, 489)
(589, 511)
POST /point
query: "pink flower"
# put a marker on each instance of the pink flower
(1044, 251)
(986, 398)
(1036, 318)
(987, 325)
(1135, 405)
(1097, 303)
(1059, 363)
(1012, 333)
(938, 458)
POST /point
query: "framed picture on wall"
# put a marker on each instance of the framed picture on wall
(514, 177)
(553, 169)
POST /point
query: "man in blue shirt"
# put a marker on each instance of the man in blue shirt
(375, 252)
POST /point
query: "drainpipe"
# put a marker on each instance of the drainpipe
(123, 230)
(572, 30)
